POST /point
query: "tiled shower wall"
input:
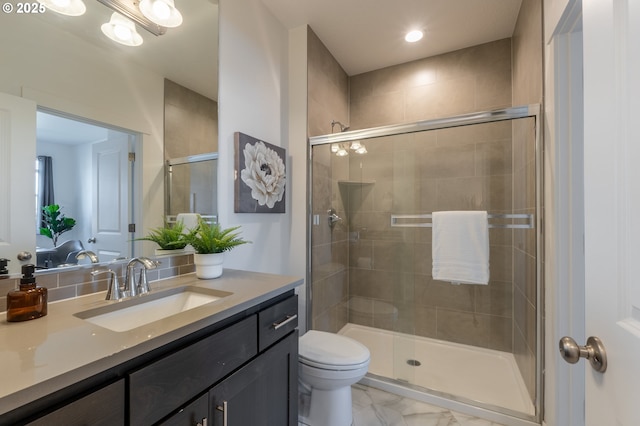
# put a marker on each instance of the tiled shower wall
(328, 100)
(527, 89)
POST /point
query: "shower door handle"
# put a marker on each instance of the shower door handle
(593, 351)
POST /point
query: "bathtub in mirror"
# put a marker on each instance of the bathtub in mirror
(65, 65)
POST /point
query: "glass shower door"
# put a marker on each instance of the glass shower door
(371, 268)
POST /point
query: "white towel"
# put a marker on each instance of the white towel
(460, 247)
(189, 220)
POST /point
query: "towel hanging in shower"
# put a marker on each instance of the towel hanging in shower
(460, 247)
(189, 220)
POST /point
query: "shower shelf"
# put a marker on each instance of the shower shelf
(356, 182)
(397, 218)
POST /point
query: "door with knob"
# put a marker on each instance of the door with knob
(111, 212)
(611, 64)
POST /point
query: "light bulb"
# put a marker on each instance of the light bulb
(123, 33)
(122, 30)
(161, 12)
(161, 9)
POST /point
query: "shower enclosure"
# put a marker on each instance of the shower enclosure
(472, 348)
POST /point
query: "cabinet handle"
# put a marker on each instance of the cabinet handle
(287, 320)
(203, 422)
(223, 408)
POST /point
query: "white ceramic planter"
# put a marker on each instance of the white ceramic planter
(208, 265)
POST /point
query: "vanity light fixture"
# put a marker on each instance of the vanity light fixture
(162, 12)
(413, 36)
(65, 7)
(130, 9)
(355, 145)
(122, 30)
(335, 147)
(361, 150)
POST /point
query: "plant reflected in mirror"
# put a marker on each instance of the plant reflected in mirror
(55, 223)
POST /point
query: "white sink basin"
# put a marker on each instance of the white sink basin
(138, 311)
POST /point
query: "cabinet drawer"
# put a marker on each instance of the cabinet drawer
(102, 407)
(164, 386)
(277, 321)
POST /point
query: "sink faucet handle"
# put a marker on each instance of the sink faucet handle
(143, 283)
(113, 288)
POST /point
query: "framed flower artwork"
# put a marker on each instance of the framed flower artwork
(260, 176)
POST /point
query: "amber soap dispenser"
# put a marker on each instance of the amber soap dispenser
(29, 301)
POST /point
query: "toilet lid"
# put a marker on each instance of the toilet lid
(324, 348)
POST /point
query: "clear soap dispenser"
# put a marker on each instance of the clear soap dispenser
(29, 301)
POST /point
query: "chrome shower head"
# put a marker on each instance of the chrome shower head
(343, 128)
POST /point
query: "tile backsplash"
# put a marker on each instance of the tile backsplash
(72, 282)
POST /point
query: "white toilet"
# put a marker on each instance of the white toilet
(328, 365)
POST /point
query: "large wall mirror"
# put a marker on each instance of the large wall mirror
(91, 99)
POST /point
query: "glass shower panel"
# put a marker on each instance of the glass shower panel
(371, 276)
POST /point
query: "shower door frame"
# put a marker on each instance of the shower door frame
(483, 117)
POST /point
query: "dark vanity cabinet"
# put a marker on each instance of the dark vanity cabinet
(255, 394)
(244, 374)
(242, 371)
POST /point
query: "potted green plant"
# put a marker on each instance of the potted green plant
(170, 239)
(55, 223)
(210, 241)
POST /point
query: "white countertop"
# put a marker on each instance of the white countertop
(41, 356)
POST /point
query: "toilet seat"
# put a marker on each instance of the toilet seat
(330, 351)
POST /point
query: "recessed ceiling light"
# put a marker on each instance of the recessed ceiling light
(413, 36)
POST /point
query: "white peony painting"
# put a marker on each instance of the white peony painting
(260, 176)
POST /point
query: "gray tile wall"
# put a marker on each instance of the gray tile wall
(468, 80)
(328, 95)
(190, 122)
(527, 89)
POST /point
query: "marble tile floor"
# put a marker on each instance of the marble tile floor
(374, 407)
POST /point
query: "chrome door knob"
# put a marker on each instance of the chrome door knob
(593, 351)
(24, 256)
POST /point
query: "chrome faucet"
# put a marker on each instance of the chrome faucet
(132, 288)
(87, 253)
(113, 290)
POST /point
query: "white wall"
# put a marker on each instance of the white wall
(263, 90)
(253, 100)
(67, 74)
